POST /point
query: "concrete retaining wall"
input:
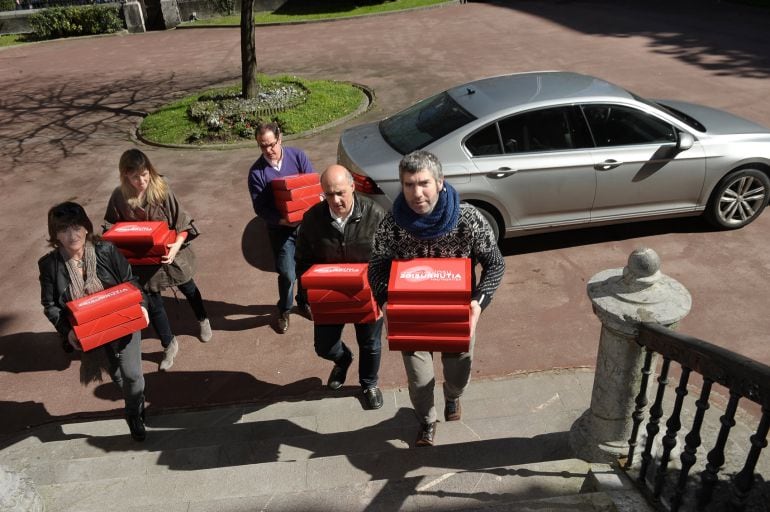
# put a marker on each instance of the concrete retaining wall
(17, 22)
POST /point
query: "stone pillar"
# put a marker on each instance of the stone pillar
(132, 13)
(170, 11)
(622, 299)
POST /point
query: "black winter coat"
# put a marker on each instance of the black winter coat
(111, 268)
(319, 240)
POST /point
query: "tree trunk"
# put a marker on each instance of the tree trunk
(248, 51)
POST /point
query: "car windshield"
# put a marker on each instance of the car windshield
(423, 123)
(687, 119)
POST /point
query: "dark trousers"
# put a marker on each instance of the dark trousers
(159, 318)
(125, 357)
(283, 241)
(329, 345)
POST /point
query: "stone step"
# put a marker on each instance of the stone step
(399, 482)
(513, 436)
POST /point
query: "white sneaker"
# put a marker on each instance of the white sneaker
(169, 354)
(206, 333)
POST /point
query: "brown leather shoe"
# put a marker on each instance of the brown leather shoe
(426, 435)
(453, 411)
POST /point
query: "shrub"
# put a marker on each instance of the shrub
(75, 21)
(7, 5)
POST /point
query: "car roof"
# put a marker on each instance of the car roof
(490, 95)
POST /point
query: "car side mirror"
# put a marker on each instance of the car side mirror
(684, 141)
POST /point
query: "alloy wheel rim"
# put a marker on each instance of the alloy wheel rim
(741, 200)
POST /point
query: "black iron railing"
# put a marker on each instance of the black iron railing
(743, 377)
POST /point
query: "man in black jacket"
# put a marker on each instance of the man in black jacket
(340, 230)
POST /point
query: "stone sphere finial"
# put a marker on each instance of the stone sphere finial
(639, 292)
(643, 268)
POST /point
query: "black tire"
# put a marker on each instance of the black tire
(491, 219)
(738, 199)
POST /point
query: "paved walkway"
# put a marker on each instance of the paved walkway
(68, 109)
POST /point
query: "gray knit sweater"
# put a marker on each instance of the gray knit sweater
(471, 238)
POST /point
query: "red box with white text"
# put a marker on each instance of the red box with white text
(336, 276)
(133, 234)
(430, 281)
(103, 303)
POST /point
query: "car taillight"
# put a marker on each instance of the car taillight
(365, 184)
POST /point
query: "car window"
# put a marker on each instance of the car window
(485, 142)
(618, 125)
(424, 123)
(551, 129)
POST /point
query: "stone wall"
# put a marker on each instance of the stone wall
(16, 22)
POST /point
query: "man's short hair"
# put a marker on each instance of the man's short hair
(272, 126)
(419, 160)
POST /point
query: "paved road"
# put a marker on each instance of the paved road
(69, 107)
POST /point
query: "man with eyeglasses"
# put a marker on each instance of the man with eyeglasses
(278, 161)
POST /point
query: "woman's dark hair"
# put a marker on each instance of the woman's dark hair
(66, 215)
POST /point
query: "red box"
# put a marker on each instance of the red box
(152, 250)
(438, 329)
(430, 281)
(128, 234)
(294, 216)
(103, 303)
(343, 307)
(298, 193)
(336, 276)
(345, 318)
(296, 181)
(429, 343)
(316, 295)
(107, 321)
(428, 313)
(304, 203)
(112, 333)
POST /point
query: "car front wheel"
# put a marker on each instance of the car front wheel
(738, 199)
(491, 219)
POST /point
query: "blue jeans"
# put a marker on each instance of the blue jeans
(125, 357)
(159, 318)
(283, 241)
(329, 345)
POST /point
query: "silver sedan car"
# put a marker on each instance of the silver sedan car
(547, 151)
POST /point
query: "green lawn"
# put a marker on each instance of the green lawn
(321, 10)
(326, 101)
(11, 39)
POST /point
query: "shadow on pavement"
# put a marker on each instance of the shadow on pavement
(735, 50)
(601, 234)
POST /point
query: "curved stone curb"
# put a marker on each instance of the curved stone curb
(302, 22)
(366, 103)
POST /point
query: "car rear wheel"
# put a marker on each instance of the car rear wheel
(738, 199)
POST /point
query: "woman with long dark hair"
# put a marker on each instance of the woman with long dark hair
(82, 264)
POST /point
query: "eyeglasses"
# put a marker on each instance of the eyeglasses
(269, 146)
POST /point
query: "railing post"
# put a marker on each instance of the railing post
(622, 299)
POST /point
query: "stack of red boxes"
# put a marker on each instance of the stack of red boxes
(429, 305)
(339, 293)
(294, 195)
(107, 315)
(142, 243)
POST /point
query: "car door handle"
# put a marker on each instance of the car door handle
(607, 165)
(502, 172)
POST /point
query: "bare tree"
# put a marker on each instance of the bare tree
(248, 51)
